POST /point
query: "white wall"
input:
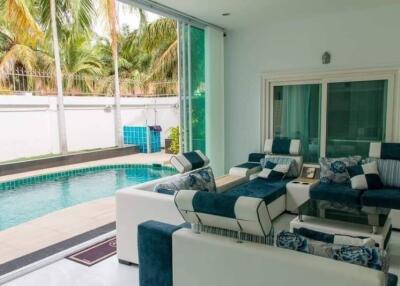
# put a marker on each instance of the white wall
(28, 124)
(356, 39)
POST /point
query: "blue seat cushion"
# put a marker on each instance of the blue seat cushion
(260, 188)
(341, 193)
(249, 165)
(384, 198)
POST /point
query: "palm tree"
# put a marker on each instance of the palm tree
(144, 55)
(60, 103)
(113, 28)
(18, 12)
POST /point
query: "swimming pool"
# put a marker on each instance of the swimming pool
(29, 198)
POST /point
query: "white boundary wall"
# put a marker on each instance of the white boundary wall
(28, 124)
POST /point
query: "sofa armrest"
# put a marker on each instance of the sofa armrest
(133, 207)
(228, 182)
(245, 169)
(155, 253)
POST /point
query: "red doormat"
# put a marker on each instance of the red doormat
(96, 253)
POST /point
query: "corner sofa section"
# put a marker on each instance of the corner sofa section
(136, 205)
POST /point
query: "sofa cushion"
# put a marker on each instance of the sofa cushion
(260, 188)
(384, 198)
(189, 161)
(274, 171)
(244, 214)
(365, 177)
(200, 180)
(293, 166)
(371, 257)
(333, 170)
(283, 146)
(389, 171)
(248, 165)
(341, 193)
(335, 238)
(256, 157)
(384, 150)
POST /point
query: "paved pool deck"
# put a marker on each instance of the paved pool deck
(64, 224)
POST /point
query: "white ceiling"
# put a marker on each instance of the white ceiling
(248, 12)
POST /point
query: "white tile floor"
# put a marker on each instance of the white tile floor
(65, 272)
(111, 273)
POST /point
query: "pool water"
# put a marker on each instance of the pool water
(29, 198)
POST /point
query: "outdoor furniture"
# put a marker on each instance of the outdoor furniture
(140, 203)
(370, 207)
(298, 192)
(381, 235)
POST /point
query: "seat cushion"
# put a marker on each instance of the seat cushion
(260, 188)
(249, 165)
(341, 193)
(384, 198)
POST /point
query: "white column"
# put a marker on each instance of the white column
(215, 126)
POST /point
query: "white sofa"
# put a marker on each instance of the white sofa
(220, 261)
(137, 204)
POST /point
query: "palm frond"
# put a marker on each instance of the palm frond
(17, 13)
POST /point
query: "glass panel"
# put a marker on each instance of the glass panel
(356, 116)
(297, 116)
(197, 63)
(192, 87)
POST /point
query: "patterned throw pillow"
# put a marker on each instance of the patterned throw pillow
(371, 257)
(199, 180)
(289, 240)
(389, 171)
(365, 177)
(361, 255)
(293, 168)
(273, 171)
(334, 170)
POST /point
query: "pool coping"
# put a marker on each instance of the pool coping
(62, 160)
(54, 175)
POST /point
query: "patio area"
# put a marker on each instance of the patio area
(64, 224)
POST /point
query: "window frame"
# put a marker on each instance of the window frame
(270, 80)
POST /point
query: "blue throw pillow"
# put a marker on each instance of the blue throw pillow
(334, 170)
(365, 177)
(293, 241)
(367, 256)
(361, 255)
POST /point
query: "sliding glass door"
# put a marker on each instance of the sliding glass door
(356, 115)
(296, 115)
(332, 117)
(192, 87)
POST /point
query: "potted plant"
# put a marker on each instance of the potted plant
(172, 141)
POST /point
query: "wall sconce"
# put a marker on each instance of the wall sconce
(326, 58)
